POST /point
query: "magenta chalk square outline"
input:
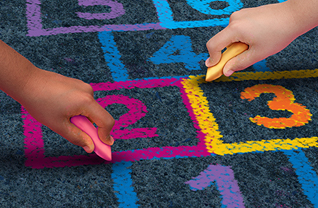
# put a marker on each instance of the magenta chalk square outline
(34, 143)
(35, 27)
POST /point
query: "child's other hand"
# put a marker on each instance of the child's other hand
(266, 30)
(53, 99)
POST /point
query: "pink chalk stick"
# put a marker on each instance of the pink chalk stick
(101, 149)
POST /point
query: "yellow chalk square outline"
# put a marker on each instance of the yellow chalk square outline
(210, 128)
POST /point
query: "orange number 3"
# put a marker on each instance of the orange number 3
(284, 100)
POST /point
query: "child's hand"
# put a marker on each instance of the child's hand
(266, 30)
(53, 99)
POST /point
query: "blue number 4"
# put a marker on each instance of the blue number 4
(179, 50)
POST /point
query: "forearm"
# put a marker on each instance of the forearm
(15, 71)
(304, 13)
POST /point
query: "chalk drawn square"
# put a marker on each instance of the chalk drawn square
(160, 53)
(60, 13)
(159, 179)
(178, 146)
(172, 14)
(202, 184)
(183, 11)
(87, 16)
(148, 117)
(233, 113)
(224, 116)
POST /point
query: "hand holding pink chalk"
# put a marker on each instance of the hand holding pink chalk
(101, 149)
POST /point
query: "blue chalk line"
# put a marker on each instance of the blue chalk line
(307, 177)
(123, 185)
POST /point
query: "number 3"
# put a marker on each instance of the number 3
(284, 100)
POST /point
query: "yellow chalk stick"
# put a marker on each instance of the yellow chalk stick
(231, 51)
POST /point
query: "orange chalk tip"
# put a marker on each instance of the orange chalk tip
(231, 51)
(101, 149)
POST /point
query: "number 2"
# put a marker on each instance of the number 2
(137, 110)
(284, 100)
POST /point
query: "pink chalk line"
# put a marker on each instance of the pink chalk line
(34, 141)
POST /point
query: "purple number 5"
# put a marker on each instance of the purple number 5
(226, 184)
(117, 9)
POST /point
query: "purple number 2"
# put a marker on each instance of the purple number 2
(226, 184)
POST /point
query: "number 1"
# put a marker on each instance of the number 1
(225, 181)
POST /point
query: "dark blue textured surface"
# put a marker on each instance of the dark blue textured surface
(265, 179)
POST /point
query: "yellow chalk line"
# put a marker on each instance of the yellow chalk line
(243, 76)
(210, 128)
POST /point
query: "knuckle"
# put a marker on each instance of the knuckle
(234, 15)
(88, 88)
(111, 122)
(209, 44)
(87, 99)
(234, 26)
(237, 15)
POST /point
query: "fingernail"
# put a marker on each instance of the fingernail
(87, 149)
(227, 72)
(207, 62)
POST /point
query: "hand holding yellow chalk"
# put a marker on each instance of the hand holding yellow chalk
(231, 51)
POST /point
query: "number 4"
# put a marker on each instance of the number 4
(179, 50)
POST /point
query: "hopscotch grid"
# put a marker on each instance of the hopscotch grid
(34, 144)
(35, 152)
(208, 145)
(210, 128)
(165, 16)
(35, 27)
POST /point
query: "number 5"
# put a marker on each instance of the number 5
(284, 100)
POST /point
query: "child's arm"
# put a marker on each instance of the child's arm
(53, 99)
(266, 29)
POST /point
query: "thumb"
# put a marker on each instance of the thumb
(211, 61)
(103, 133)
(216, 44)
(103, 120)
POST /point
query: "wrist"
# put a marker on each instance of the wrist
(29, 85)
(303, 14)
(15, 72)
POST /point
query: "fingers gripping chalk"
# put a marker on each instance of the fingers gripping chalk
(231, 51)
(101, 149)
